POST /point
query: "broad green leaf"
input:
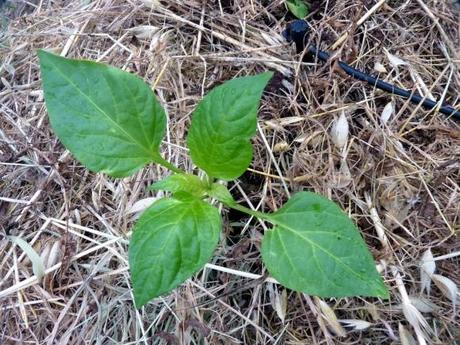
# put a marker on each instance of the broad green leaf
(223, 124)
(172, 240)
(316, 249)
(221, 193)
(299, 8)
(187, 183)
(109, 119)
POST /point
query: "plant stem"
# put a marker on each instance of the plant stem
(209, 180)
(253, 213)
(160, 160)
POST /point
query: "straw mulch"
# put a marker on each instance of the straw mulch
(397, 175)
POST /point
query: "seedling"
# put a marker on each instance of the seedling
(112, 123)
(298, 8)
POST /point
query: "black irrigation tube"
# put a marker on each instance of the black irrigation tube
(297, 32)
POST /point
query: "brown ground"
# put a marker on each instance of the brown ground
(399, 181)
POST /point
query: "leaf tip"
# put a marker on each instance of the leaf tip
(139, 300)
(266, 76)
(384, 293)
(41, 53)
(44, 54)
(380, 289)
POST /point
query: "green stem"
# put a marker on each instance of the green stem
(253, 213)
(209, 180)
(160, 160)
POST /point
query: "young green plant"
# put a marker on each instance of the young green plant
(112, 123)
(299, 8)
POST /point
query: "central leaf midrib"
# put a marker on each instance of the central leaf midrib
(291, 263)
(175, 225)
(312, 243)
(272, 218)
(215, 131)
(116, 125)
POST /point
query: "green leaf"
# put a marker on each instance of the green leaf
(172, 240)
(187, 183)
(109, 119)
(221, 193)
(299, 8)
(222, 125)
(316, 249)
